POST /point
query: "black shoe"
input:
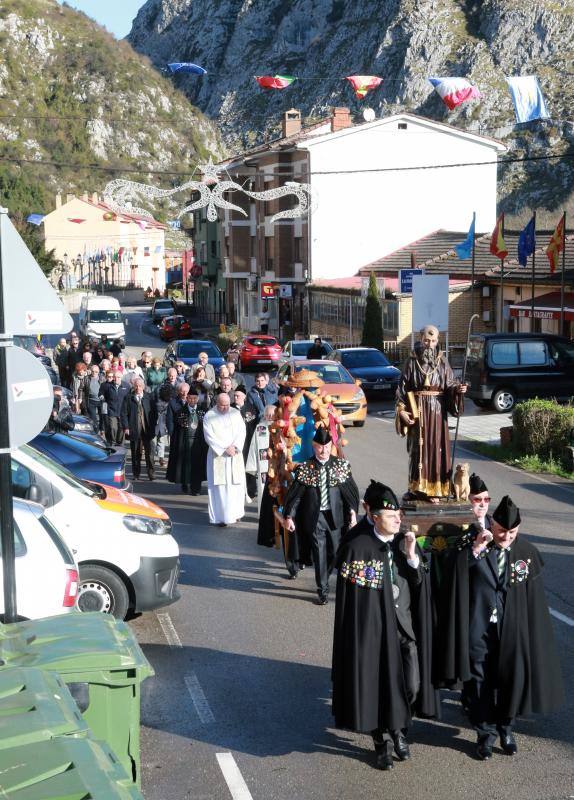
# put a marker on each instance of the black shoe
(184, 488)
(136, 476)
(322, 600)
(292, 576)
(151, 474)
(483, 751)
(401, 746)
(508, 744)
(384, 759)
(194, 492)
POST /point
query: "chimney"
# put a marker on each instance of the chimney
(70, 197)
(58, 200)
(340, 118)
(291, 122)
(95, 198)
(85, 196)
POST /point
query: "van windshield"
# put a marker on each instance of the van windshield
(60, 471)
(104, 315)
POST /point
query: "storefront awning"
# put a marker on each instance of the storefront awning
(547, 306)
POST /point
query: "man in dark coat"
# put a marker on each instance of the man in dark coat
(187, 449)
(262, 393)
(138, 420)
(382, 645)
(480, 501)
(322, 500)
(317, 350)
(113, 394)
(499, 634)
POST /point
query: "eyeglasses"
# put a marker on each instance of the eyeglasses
(480, 500)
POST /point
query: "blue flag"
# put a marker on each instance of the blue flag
(464, 249)
(185, 66)
(526, 243)
(35, 219)
(527, 97)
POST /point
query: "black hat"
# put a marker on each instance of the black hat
(193, 390)
(477, 485)
(322, 436)
(507, 514)
(241, 388)
(379, 497)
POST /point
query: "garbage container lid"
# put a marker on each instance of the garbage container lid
(34, 706)
(64, 769)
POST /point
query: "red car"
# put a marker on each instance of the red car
(259, 350)
(176, 327)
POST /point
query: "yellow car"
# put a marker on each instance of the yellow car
(348, 397)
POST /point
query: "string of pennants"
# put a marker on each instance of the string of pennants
(527, 98)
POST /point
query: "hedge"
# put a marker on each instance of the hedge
(226, 338)
(543, 428)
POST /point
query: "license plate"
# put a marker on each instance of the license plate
(382, 386)
(263, 360)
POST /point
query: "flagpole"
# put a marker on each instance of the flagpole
(533, 275)
(472, 265)
(502, 284)
(563, 275)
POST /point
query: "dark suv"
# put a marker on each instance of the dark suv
(505, 367)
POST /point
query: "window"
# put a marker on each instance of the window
(213, 247)
(504, 354)
(297, 249)
(533, 353)
(103, 315)
(21, 479)
(252, 247)
(19, 544)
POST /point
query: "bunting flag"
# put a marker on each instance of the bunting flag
(362, 84)
(526, 242)
(454, 91)
(141, 224)
(146, 252)
(76, 220)
(464, 249)
(186, 66)
(35, 219)
(527, 97)
(557, 244)
(497, 243)
(275, 81)
(157, 248)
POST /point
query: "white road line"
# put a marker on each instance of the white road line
(233, 778)
(562, 617)
(204, 712)
(169, 630)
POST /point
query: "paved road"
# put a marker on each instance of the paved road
(239, 707)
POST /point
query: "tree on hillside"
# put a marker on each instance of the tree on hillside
(35, 244)
(373, 325)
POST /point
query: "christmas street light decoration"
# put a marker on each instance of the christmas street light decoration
(123, 195)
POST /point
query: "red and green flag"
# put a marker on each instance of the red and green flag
(362, 84)
(497, 244)
(275, 81)
(556, 245)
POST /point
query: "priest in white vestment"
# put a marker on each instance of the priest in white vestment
(224, 432)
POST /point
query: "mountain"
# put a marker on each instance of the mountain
(76, 98)
(404, 42)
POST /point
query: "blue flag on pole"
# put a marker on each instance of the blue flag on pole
(35, 219)
(464, 249)
(185, 66)
(527, 97)
(526, 243)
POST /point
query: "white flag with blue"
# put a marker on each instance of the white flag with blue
(527, 97)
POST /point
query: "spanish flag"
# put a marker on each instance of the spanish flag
(497, 245)
(557, 243)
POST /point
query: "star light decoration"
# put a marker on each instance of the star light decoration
(123, 195)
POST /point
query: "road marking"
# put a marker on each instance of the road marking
(169, 630)
(562, 617)
(233, 778)
(202, 707)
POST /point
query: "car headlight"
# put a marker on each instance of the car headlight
(134, 522)
(359, 395)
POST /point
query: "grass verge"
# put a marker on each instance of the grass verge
(528, 463)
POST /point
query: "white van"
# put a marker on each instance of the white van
(127, 557)
(101, 316)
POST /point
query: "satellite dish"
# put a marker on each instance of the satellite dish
(368, 115)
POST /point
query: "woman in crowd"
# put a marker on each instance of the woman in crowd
(155, 375)
(203, 389)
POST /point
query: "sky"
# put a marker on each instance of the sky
(116, 15)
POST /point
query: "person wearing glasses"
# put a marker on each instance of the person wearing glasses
(480, 501)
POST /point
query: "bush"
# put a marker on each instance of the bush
(543, 428)
(225, 339)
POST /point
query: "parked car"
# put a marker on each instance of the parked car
(297, 349)
(371, 367)
(259, 350)
(348, 397)
(505, 367)
(175, 327)
(162, 308)
(187, 350)
(36, 347)
(46, 572)
(101, 316)
(127, 557)
(92, 462)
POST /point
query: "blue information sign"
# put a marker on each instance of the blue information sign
(406, 279)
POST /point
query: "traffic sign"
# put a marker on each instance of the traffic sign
(430, 302)
(31, 304)
(406, 279)
(285, 291)
(30, 395)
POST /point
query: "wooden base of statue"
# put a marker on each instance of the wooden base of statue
(446, 518)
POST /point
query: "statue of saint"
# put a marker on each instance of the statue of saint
(427, 393)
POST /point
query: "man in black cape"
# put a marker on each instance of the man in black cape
(499, 638)
(321, 502)
(187, 449)
(382, 645)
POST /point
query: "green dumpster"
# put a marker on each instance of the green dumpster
(34, 706)
(101, 662)
(64, 769)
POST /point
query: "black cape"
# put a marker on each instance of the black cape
(368, 683)
(187, 462)
(529, 675)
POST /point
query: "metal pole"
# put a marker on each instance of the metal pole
(472, 267)
(350, 320)
(474, 316)
(562, 279)
(502, 286)
(533, 304)
(6, 521)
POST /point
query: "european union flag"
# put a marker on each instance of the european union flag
(464, 249)
(526, 242)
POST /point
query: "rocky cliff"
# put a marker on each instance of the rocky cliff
(404, 42)
(76, 98)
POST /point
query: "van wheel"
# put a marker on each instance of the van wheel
(503, 400)
(100, 589)
(359, 423)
